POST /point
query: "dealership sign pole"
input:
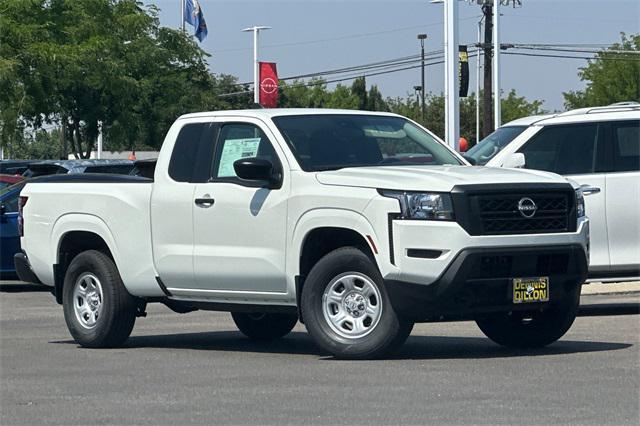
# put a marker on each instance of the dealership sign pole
(256, 81)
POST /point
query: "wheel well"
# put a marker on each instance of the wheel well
(322, 241)
(72, 244)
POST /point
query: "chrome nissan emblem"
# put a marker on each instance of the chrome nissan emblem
(527, 207)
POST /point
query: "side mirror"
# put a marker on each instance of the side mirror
(257, 169)
(514, 161)
(3, 210)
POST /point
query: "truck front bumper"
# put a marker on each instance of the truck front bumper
(478, 281)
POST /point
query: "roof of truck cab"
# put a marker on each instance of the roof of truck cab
(277, 112)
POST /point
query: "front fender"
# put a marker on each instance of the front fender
(333, 218)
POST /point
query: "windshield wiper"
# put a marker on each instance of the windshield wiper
(327, 168)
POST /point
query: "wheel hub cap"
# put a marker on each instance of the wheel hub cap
(87, 300)
(352, 305)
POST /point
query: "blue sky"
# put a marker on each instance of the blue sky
(340, 33)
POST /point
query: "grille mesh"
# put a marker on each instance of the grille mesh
(499, 214)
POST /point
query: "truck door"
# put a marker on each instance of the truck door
(577, 151)
(240, 226)
(623, 197)
(172, 202)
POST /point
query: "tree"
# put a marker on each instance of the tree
(611, 77)
(513, 106)
(78, 63)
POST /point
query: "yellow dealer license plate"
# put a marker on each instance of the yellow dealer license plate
(529, 290)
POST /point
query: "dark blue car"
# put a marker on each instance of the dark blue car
(9, 234)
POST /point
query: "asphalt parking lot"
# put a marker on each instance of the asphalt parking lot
(196, 368)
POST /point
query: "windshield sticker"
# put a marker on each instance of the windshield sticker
(235, 149)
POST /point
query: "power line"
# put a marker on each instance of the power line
(576, 50)
(404, 63)
(351, 77)
(543, 55)
(339, 38)
(371, 65)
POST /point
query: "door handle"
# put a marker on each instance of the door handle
(588, 189)
(205, 202)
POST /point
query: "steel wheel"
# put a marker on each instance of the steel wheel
(87, 300)
(352, 305)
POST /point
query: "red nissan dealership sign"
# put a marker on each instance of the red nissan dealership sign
(268, 85)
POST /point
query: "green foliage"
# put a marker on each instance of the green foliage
(81, 62)
(36, 145)
(611, 77)
(513, 106)
(314, 94)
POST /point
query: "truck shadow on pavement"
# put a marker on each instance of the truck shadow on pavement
(416, 347)
(19, 287)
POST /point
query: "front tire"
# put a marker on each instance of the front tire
(532, 329)
(346, 308)
(261, 326)
(98, 310)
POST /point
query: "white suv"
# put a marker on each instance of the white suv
(600, 149)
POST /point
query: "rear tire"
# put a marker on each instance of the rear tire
(533, 329)
(346, 308)
(259, 326)
(98, 310)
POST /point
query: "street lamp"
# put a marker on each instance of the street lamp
(256, 83)
(422, 38)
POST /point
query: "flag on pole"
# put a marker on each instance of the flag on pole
(193, 15)
(268, 85)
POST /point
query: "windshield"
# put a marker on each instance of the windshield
(488, 147)
(333, 141)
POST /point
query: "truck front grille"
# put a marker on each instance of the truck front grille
(501, 210)
(499, 214)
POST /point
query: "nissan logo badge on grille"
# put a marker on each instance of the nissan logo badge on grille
(527, 207)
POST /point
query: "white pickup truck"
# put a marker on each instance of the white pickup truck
(357, 224)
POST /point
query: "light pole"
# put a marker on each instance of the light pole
(496, 64)
(256, 83)
(451, 81)
(479, 54)
(422, 38)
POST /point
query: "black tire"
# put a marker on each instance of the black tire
(117, 313)
(390, 331)
(532, 329)
(260, 326)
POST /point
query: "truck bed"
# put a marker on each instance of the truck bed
(116, 207)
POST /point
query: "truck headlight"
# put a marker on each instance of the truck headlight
(422, 205)
(580, 209)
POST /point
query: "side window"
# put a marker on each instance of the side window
(564, 149)
(238, 141)
(11, 203)
(192, 153)
(626, 146)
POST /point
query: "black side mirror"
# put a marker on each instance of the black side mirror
(258, 169)
(470, 159)
(3, 210)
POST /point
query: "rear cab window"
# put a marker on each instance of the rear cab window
(192, 153)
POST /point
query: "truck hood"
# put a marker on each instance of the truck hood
(431, 178)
